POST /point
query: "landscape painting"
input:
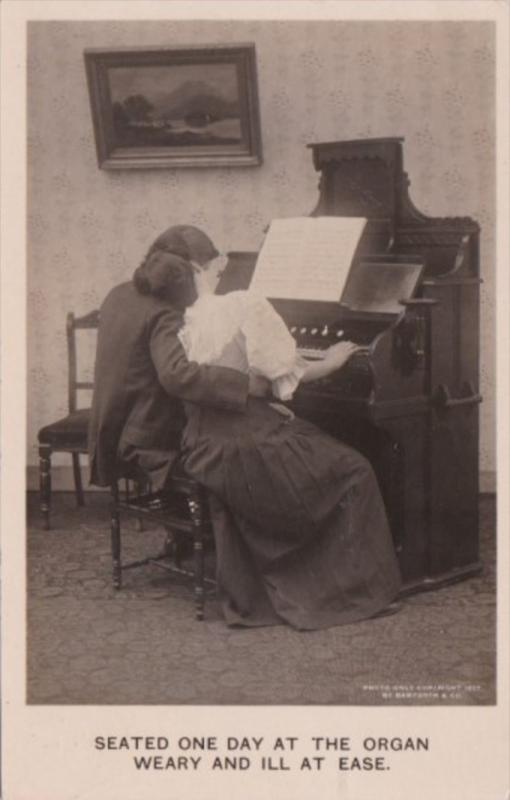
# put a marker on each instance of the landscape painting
(184, 107)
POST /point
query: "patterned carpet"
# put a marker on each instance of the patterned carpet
(90, 645)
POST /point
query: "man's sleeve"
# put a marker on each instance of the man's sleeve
(198, 383)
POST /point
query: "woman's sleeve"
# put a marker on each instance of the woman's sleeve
(270, 348)
(285, 386)
(199, 383)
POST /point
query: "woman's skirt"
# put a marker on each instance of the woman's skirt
(300, 527)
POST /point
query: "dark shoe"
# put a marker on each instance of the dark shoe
(393, 608)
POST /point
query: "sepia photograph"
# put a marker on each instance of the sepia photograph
(277, 381)
(255, 269)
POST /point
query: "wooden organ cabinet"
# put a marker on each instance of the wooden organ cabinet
(410, 400)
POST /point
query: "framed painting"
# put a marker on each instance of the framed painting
(175, 107)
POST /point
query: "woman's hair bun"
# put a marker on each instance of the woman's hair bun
(167, 270)
(166, 275)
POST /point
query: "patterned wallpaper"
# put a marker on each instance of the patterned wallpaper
(432, 82)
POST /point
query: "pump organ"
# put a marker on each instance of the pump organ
(409, 400)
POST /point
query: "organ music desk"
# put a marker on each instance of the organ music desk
(409, 400)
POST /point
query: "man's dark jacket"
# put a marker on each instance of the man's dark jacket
(141, 376)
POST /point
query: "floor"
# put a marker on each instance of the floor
(88, 644)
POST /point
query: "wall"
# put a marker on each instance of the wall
(87, 229)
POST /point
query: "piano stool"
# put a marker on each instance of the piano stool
(182, 509)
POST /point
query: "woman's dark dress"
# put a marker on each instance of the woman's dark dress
(300, 527)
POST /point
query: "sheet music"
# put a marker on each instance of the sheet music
(307, 258)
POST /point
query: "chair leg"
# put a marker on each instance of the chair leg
(45, 484)
(77, 479)
(139, 521)
(175, 545)
(116, 550)
(196, 512)
(169, 545)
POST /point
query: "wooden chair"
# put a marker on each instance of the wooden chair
(69, 434)
(182, 509)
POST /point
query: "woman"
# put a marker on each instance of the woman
(300, 528)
